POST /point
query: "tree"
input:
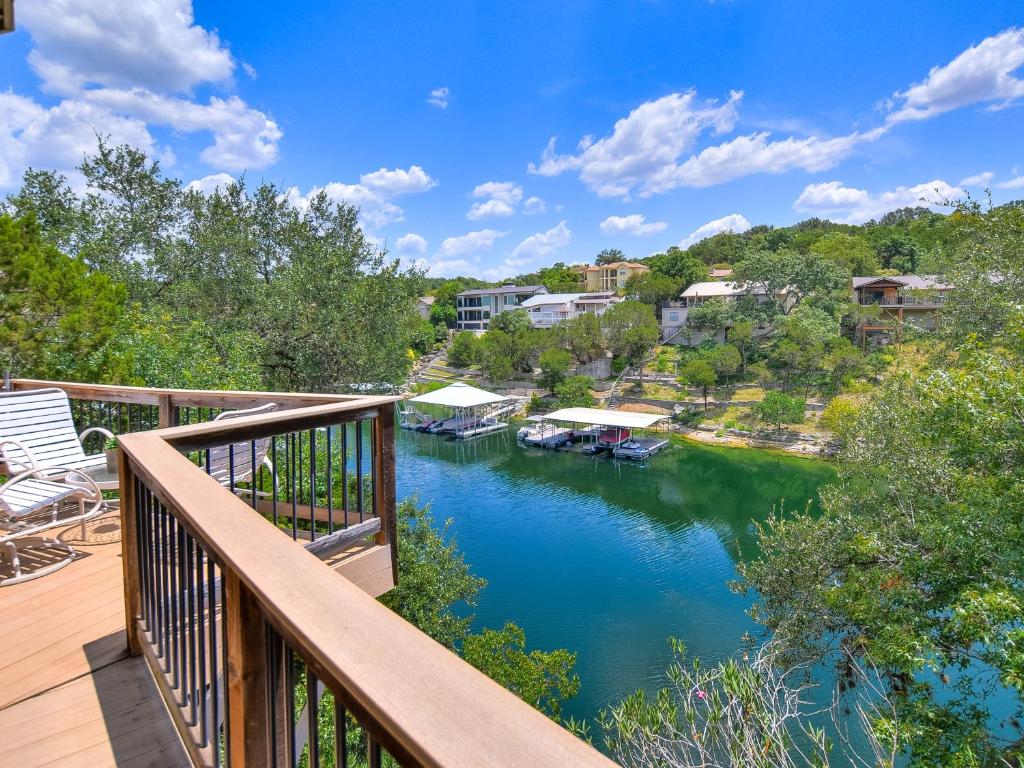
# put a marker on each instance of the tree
(609, 256)
(559, 278)
(543, 679)
(777, 409)
(684, 267)
(721, 248)
(843, 361)
(464, 349)
(631, 330)
(554, 365)
(849, 251)
(900, 252)
(711, 316)
(513, 322)
(698, 373)
(582, 335)
(790, 278)
(725, 359)
(58, 314)
(741, 336)
(839, 415)
(444, 314)
(575, 392)
(652, 288)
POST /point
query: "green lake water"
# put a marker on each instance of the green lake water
(604, 558)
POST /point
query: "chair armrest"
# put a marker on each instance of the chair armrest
(29, 459)
(105, 432)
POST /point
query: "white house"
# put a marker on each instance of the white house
(424, 305)
(673, 314)
(547, 310)
(478, 306)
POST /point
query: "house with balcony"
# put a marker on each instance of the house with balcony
(608, 277)
(476, 307)
(210, 600)
(674, 314)
(548, 309)
(914, 300)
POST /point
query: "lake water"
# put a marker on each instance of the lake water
(604, 558)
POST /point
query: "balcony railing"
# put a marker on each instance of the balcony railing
(906, 300)
(249, 634)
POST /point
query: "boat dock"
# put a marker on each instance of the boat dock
(601, 432)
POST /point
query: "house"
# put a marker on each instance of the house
(423, 305)
(721, 274)
(476, 307)
(903, 299)
(674, 313)
(549, 309)
(608, 277)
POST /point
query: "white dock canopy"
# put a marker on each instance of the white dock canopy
(602, 418)
(459, 395)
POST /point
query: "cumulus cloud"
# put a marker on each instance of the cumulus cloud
(734, 222)
(439, 97)
(534, 205)
(495, 199)
(373, 194)
(977, 180)
(543, 244)
(633, 225)
(983, 73)
(121, 69)
(644, 146)
(411, 243)
(855, 206)
(210, 184)
(1015, 183)
(469, 243)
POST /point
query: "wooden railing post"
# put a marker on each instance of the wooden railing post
(384, 441)
(168, 413)
(129, 553)
(248, 715)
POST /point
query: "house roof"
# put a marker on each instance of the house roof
(565, 298)
(458, 395)
(428, 300)
(721, 272)
(920, 282)
(505, 289)
(718, 288)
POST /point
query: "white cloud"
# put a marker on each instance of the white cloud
(534, 205)
(977, 180)
(210, 184)
(120, 69)
(543, 244)
(734, 222)
(497, 199)
(747, 155)
(439, 97)
(411, 243)
(643, 146)
(632, 225)
(981, 74)
(469, 243)
(60, 136)
(855, 206)
(1015, 183)
(373, 194)
(154, 44)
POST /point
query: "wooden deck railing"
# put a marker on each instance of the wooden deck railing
(253, 640)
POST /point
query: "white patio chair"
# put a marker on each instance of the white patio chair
(239, 462)
(31, 504)
(37, 432)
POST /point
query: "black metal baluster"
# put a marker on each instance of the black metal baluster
(164, 608)
(190, 581)
(289, 692)
(373, 757)
(173, 599)
(214, 671)
(273, 477)
(340, 735)
(312, 485)
(295, 501)
(204, 733)
(344, 473)
(313, 719)
(359, 469)
(231, 467)
(252, 470)
(373, 468)
(273, 672)
(330, 485)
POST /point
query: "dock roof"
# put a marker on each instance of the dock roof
(458, 395)
(605, 418)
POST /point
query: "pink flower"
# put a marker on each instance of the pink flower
(701, 695)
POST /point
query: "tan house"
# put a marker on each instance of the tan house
(423, 305)
(914, 300)
(608, 277)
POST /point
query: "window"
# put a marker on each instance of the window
(673, 317)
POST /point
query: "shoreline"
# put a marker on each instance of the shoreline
(801, 449)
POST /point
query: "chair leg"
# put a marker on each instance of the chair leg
(43, 543)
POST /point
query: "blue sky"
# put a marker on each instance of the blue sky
(489, 139)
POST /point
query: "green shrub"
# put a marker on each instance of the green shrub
(778, 409)
(574, 392)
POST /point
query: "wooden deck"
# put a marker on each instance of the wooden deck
(69, 693)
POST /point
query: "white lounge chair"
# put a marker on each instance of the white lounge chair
(238, 462)
(37, 432)
(31, 504)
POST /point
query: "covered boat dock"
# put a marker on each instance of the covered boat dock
(470, 411)
(594, 430)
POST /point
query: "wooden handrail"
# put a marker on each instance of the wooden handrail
(424, 704)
